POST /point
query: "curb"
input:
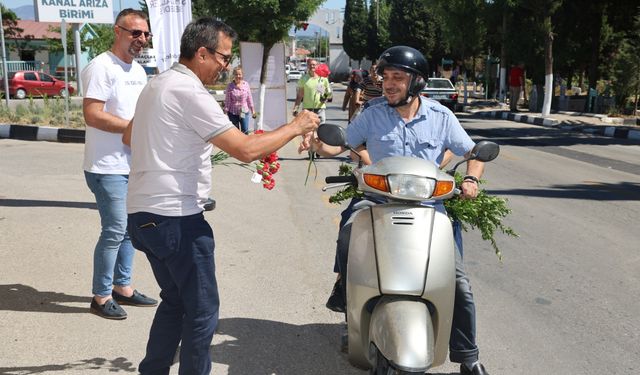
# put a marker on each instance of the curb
(604, 118)
(621, 121)
(607, 131)
(506, 115)
(41, 133)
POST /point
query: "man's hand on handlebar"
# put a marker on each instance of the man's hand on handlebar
(469, 189)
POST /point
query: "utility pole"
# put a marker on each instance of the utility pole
(5, 70)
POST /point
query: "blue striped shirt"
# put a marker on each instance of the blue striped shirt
(433, 130)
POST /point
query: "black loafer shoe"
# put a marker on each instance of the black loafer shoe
(137, 299)
(210, 205)
(336, 300)
(110, 310)
(478, 369)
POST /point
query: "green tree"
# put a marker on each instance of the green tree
(625, 75)
(542, 11)
(263, 21)
(94, 39)
(414, 25)
(354, 31)
(464, 26)
(378, 38)
(9, 22)
(21, 43)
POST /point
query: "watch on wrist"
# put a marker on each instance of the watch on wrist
(471, 178)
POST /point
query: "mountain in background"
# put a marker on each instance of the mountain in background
(25, 12)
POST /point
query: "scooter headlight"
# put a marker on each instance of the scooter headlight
(411, 187)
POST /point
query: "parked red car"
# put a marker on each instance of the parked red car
(25, 83)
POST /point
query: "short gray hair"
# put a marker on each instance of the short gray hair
(129, 11)
(203, 33)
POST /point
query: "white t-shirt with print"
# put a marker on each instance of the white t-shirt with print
(170, 150)
(118, 85)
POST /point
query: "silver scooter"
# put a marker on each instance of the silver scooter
(401, 268)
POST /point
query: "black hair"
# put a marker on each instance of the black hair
(203, 33)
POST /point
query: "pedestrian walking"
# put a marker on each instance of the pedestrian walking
(313, 92)
(238, 102)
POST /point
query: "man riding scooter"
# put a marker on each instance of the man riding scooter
(406, 124)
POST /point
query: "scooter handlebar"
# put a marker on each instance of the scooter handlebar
(340, 179)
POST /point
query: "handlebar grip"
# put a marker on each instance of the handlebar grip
(339, 179)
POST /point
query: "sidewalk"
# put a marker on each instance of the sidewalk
(591, 123)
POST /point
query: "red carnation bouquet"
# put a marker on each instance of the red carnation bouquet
(265, 168)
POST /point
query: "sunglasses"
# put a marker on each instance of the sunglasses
(137, 33)
(225, 58)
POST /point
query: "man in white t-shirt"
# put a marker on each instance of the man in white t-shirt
(176, 124)
(112, 82)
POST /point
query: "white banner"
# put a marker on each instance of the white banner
(275, 98)
(168, 20)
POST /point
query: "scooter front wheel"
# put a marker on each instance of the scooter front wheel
(383, 367)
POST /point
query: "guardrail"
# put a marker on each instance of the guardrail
(14, 66)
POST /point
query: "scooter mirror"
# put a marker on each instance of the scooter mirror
(333, 135)
(485, 151)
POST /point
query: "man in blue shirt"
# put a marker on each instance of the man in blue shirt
(406, 124)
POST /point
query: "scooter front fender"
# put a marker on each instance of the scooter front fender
(402, 331)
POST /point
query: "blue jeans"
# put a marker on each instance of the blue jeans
(462, 342)
(113, 254)
(180, 250)
(240, 123)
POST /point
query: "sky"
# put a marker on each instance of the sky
(331, 4)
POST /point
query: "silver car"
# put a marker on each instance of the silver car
(442, 90)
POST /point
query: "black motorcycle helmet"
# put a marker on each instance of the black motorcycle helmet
(410, 60)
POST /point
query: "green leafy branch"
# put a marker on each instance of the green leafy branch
(220, 158)
(485, 212)
(349, 191)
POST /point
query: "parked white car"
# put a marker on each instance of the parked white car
(293, 75)
(442, 90)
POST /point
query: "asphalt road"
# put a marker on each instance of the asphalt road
(563, 301)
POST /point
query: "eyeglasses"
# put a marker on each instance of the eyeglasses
(225, 58)
(137, 33)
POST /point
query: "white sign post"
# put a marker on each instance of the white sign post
(63, 35)
(271, 94)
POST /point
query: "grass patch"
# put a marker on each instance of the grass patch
(48, 112)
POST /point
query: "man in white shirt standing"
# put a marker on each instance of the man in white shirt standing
(176, 124)
(112, 83)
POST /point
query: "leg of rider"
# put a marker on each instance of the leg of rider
(462, 343)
